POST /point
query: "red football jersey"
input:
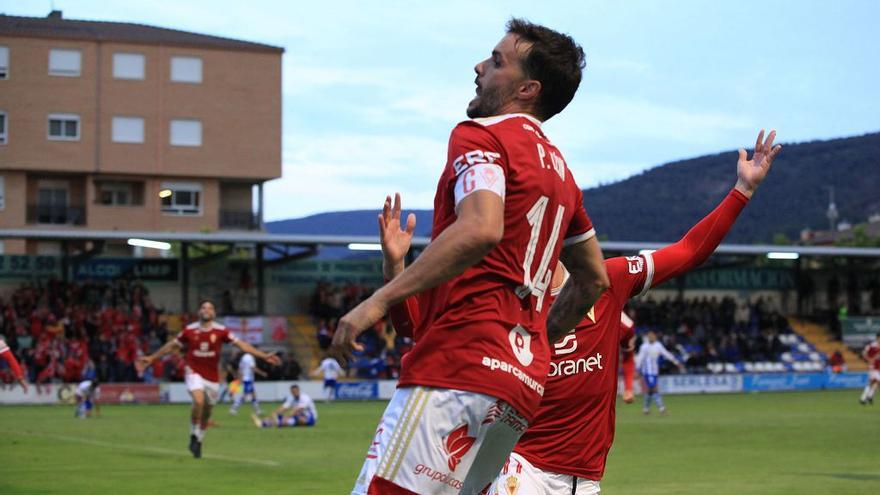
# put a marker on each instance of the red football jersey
(484, 331)
(203, 349)
(574, 427)
(873, 352)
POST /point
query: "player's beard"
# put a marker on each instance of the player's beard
(486, 104)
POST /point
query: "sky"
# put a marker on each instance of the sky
(371, 90)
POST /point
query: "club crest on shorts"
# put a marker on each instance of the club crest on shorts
(521, 343)
(457, 445)
(511, 485)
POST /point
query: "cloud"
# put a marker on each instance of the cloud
(354, 171)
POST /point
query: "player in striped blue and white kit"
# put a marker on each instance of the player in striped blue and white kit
(648, 364)
(86, 394)
(247, 366)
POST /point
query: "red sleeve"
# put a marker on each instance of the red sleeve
(9, 357)
(580, 228)
(629, 275)
(227, 336)
(404, 316)
(182, 338)
(699, 243)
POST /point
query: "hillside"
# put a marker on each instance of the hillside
(661, 203)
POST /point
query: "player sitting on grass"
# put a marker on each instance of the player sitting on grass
(298, 409)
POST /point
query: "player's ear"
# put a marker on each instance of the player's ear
(529, 90)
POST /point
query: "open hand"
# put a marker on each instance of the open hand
(750, 173)
(363, 316)
(395, 241)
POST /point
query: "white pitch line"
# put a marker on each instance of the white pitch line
(146, 448)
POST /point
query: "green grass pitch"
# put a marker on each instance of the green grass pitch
(785, 443)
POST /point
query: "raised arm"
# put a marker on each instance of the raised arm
(265, 356)
(587, 280)
(396, 242)
(145, 362)
(477, 229)
(702, 240)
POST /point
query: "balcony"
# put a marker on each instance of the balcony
(239, 220)
(56, 215)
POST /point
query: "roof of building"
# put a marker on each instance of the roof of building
(340, 240)
(55, 26)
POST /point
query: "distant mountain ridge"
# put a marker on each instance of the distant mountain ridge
(661, 203)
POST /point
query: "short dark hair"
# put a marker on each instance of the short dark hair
(555, 60)
(206, 300)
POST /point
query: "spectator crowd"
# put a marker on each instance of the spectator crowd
(383, 348)
(708, 330)
(73, 331)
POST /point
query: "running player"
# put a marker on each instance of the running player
(506, 204)
(7, 355)
(298, 409)
(871, 354)
(648, 364)
(565, 447)
(87, 394)
(203, 341)
(247, 367)
(330, 370)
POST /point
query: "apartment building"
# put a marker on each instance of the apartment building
(119, 126)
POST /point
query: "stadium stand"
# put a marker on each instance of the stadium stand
(727, 336)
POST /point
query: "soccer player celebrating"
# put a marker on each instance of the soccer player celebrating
(871, 354)
(565, 447)
(7, 355)
(506, 205)
(203, 341)
(247, 367)
(648, 364)
(298, 409)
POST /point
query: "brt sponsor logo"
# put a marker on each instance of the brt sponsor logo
(357, 390)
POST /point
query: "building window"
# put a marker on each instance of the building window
(186, 132)
(63, 127)
(186, 69)
(128, 66)
(65, 63)
(185, 198)
(128, 130)
(119, 193)
(3, 124)
(4, 62)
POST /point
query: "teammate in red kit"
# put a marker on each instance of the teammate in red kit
(506, 205)
(565, 448)
(871, 354)
(7, 355)
(203, 341)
